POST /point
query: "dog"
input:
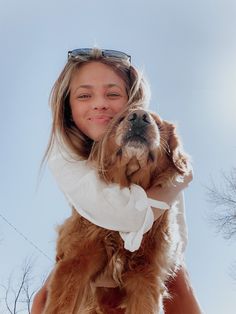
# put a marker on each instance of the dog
(138, 147)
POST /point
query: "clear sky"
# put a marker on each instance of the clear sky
(187, 50)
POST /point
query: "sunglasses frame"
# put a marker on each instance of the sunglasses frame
(106, 53)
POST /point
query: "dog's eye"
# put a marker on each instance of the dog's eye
(151, 157)
(119, 153)
(158, 125)
(120, 120)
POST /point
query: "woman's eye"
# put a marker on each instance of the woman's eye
(84, 96)
(113, 95)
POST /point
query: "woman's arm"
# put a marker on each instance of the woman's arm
(183, 299)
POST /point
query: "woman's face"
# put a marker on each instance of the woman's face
(97, 94)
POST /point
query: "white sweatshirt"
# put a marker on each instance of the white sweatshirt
(127, 210)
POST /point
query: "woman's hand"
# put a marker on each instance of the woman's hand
(40, 299)
(169, 194)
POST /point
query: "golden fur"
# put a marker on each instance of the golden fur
(139, 147)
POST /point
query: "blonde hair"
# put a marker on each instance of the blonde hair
(62, 122)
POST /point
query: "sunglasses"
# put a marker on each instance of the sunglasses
(86, 52)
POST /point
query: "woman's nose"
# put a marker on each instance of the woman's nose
(100, 104)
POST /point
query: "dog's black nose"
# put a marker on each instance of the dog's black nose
(139, 118)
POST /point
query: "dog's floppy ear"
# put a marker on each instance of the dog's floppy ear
(172, 144)
(176, 153)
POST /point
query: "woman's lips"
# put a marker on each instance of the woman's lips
(100, 119)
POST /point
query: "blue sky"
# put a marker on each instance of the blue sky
(187, 50)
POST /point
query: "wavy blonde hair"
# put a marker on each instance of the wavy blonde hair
(62, 122)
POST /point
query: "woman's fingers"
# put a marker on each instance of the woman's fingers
(189, 177)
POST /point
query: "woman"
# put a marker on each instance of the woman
(93, 87)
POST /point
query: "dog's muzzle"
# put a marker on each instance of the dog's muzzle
(138, 123)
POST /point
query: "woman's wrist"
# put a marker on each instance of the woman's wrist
(170, 193)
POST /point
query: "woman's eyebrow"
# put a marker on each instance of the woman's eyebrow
(115, 85)
(84, 86)
(87, 86)
(112, 85)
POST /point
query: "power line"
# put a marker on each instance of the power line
(25, 238)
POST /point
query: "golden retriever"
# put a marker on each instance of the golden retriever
(139, 147)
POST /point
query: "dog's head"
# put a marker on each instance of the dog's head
(139, 147)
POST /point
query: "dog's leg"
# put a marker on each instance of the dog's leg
(143, 294)
(70, 280)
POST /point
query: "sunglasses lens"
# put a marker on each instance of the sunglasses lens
(79, 52)
(116, 54)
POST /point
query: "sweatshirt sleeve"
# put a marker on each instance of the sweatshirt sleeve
(181, 221)
(127, 210)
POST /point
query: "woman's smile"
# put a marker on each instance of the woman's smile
(101, 119)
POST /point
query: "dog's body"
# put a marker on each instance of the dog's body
(139, 148)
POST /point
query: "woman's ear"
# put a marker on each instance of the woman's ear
(179, 158)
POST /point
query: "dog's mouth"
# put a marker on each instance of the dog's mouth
(138, 138)
(134, 145)
(134, 140)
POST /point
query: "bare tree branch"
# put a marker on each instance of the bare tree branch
(19, 299)
(224, 201)
(6, 295)
(28, 295)
(24, 278)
